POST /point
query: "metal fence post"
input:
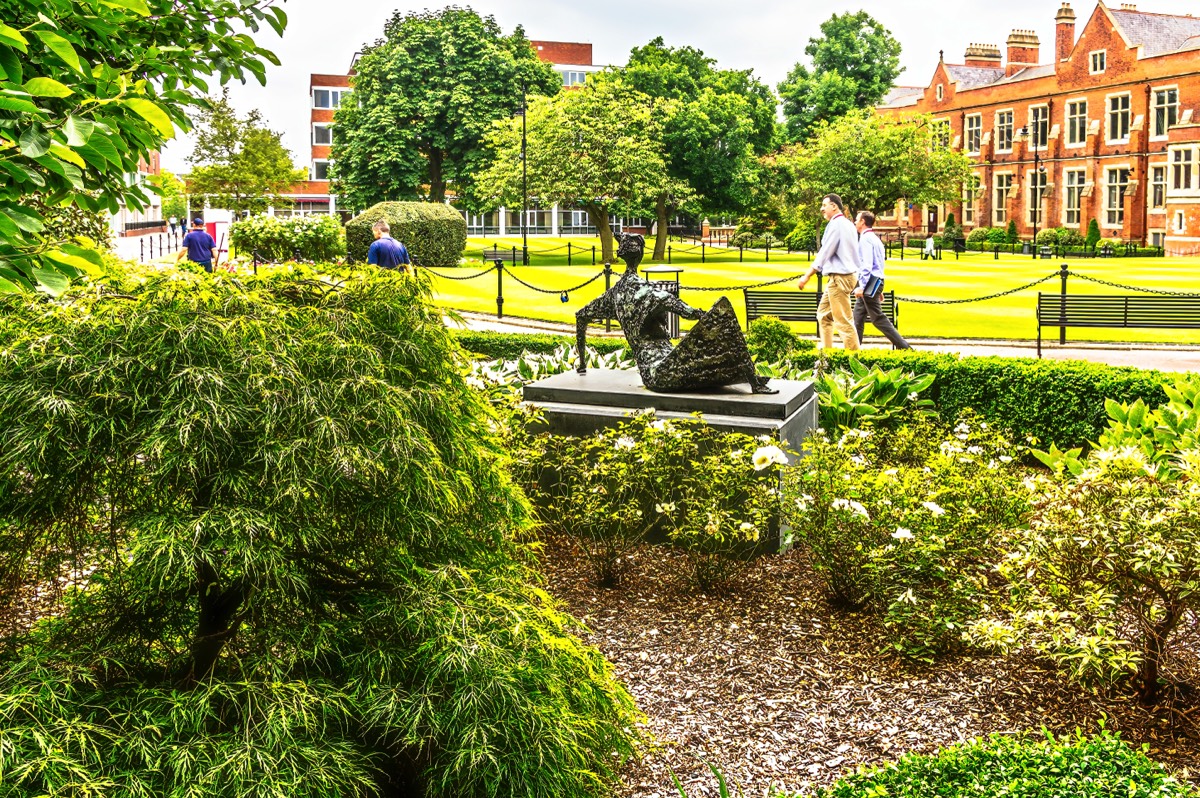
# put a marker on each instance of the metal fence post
(668, 253)
(607, 285)
(768, 245)
(593, 254)
(739, 253)
(568, 253)
(1062, 305)
(499, 289)
(142, 249)
(702, 252)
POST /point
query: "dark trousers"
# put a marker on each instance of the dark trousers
(868, 307)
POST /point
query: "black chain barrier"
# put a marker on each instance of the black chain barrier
(1132, 287)
(978, 298)
(468, 277)
(552, 290)
(743, 287)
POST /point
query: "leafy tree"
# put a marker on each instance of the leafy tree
(173, 193)
(424, 96)
(600, 146)
(1093, 232)
(855, 62)
(873, 161)
(721, 122)
(88, 89)
(238, 164)
(1011, 232)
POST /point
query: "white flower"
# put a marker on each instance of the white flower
(765, 456)
(891, 472)
(902, 534)
(763, 438)
(858, 460)
(974, 450)
(853, 506)
(912, 397)
(933, 508)
(962, 427)
(667, 507)
(1005, 458)
(747, 526)
(624, 442)
(659, 426)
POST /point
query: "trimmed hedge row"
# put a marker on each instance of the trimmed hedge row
(434, 234)
(1060, 402)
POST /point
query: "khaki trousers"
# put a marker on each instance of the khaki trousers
(834, 311)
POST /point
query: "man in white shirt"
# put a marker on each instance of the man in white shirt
(839, 261)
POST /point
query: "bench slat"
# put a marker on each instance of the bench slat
(798, 305)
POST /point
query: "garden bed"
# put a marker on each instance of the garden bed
(777, 689)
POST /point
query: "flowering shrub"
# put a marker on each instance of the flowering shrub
(908, 529)
(302, 238)
(845, 397)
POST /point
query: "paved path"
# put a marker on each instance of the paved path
(1165, 357)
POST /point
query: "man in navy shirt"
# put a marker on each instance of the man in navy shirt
(387, 252)
(198, 245)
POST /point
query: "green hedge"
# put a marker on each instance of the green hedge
(507, 346)
(1077, 766)
(305, 238)
(435, 234)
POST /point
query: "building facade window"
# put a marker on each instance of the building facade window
(1098, 62)
(1181, 170)
(1074, 178)
(1004, 131)
(1180, 227)
(1077, 123)
(322, 135)
(1118, 118)
(941, 134)
(329, 98)
(1114, 197)
(1037, 190)
(974, 133)
(970, 194)
(1158, 187)
(574, 77)
(1156, 239)
(320, 170)
(940, 92)
(1000, 206)
(1166, 111)
(1039, 126)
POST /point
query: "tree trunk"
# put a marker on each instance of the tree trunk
(660, 238)
(217, 623)
(437, 181)
(1156, 641)
(599, 218)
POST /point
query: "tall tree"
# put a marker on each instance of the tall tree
(424, 96)
(88, 89)
(719, 124)
(855, 61)
(872, 161)
(173, 191)
(600, 146)
(238, 164)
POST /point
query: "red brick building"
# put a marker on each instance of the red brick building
(1104, 128)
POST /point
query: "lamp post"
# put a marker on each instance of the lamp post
(1038, 172)
(524, 187)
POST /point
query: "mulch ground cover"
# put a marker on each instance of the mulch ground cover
(777, 689)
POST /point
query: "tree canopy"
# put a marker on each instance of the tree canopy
(855, 61)
(237, 163)
(424, 97)
(599, 146)
(719, 124)
(89, 89)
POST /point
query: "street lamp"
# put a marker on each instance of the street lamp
(1038, 172)
(524, 187)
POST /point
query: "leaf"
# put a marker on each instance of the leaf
(35, 142)
(47, 87)
(12, 37)
(12, 281)
(27, 219)
(60, 47)
(78, 130)
(11, 64)
(51, 281)
(8, 103)
(152, 114)
(138, 7)
(75, 263)
(66, 154)
(90, 255)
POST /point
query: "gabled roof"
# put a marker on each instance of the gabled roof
(1028, 73)
(900, 92)
(972, 77)
(1156, 33)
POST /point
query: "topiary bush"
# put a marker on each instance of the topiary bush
(434, 233)
(979, 235)
(1010, 232)
(997, 235)
(291, 553)
(314, 239)
(1093, 233)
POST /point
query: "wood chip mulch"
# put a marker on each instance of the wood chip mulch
(778, 690)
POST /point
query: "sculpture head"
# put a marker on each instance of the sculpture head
(630, 250)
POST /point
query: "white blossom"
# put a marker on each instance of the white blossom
(765, 456)
(624, 442)
(933, 508)
(851, 505)
(902, 534)
(665, 507)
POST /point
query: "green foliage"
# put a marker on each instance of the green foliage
(1093, 232)
(301, 238)
(293, 551)
(772, 340)
(1098, 767)
(1010, 233)
(434, 233)
(69, 222)
(979, 235)
(1059, 236)
(503, 378)
(997, 235)
(173, 193)
(509, 346)
(907, 523)
(855, 62)
(884, 397)
(806, 235)
(89, 89)
(424, 97)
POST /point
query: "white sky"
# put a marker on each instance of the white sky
(767, 36)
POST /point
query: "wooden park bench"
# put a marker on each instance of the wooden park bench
(800, 305)
(1173, 312)
(497, 256)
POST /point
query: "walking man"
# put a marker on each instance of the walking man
(870, 283)
(839, 261)
(198, 245)
(387, 252)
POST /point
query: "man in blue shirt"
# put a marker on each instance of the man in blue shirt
(870, 283)
(198, 245)
(387, 252)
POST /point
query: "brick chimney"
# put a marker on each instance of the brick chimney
(983, 55)
(1022, 51)
(1064, 32)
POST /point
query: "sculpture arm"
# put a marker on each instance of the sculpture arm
(599, 308)
(677, 306)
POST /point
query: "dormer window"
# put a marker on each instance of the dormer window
(1099, 61)
(941, 92)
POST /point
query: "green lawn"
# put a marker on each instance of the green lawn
(973, 275)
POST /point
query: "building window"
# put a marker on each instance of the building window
(1179, 225)
(1166, 110)
(320, 170)
(941, 134)
(1156, 239)
(941, 93)
(1118, 118)
(1077, 122)
(1158, 187)
(329, 98)
(574, 78)
(1074, 179)
(322, 135)
(974, 132)
(1039, 127)
(970, 194)
(1099, 61)
(1114, 197)
(1004, 131)
(1181, 170)
(1037, 190)
(1000, 206)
